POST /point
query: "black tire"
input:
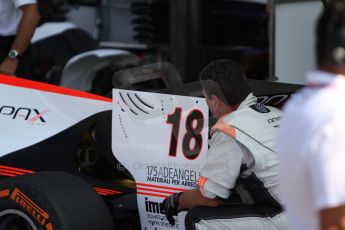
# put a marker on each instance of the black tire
(51, 201)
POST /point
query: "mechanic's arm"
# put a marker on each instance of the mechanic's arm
(219, 174)
(194, 198)
(332, 218)
(218, 177)
(24, 34)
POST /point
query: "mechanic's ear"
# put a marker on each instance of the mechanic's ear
(215, 101)
(210, 103)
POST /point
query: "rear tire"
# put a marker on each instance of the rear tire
(51, 201)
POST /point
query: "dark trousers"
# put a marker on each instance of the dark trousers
(24, 69)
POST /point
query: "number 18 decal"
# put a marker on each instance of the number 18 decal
(192, 139)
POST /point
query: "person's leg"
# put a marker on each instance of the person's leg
(25, 68)
(5, 46)
(237, 217)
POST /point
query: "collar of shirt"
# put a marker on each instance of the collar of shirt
(321, 78)
(250, 100)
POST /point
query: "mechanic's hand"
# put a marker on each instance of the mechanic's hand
(9, 66)
(170, 205)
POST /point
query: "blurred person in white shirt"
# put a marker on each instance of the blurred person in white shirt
(311, 139)
(18, 21)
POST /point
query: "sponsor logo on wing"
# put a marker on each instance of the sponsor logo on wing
(152, 190)
(30, 115)
(154, 207)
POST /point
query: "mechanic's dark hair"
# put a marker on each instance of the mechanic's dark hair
(330, 44)
(226, 80)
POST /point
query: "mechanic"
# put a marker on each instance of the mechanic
(311, 142)
(241, 156)
(18, 21)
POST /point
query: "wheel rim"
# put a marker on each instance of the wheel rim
(12, 219)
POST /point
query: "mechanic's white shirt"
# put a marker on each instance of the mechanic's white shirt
(311, 146)
(10, 15)
(253, 150)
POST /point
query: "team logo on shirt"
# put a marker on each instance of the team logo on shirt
(260, 108)
(274, 121)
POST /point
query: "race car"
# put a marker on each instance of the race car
(75, 160)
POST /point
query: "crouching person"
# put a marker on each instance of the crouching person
(241, 157)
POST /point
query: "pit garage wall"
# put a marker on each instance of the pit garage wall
(293, 33)
(84, 17)
(295, 23)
